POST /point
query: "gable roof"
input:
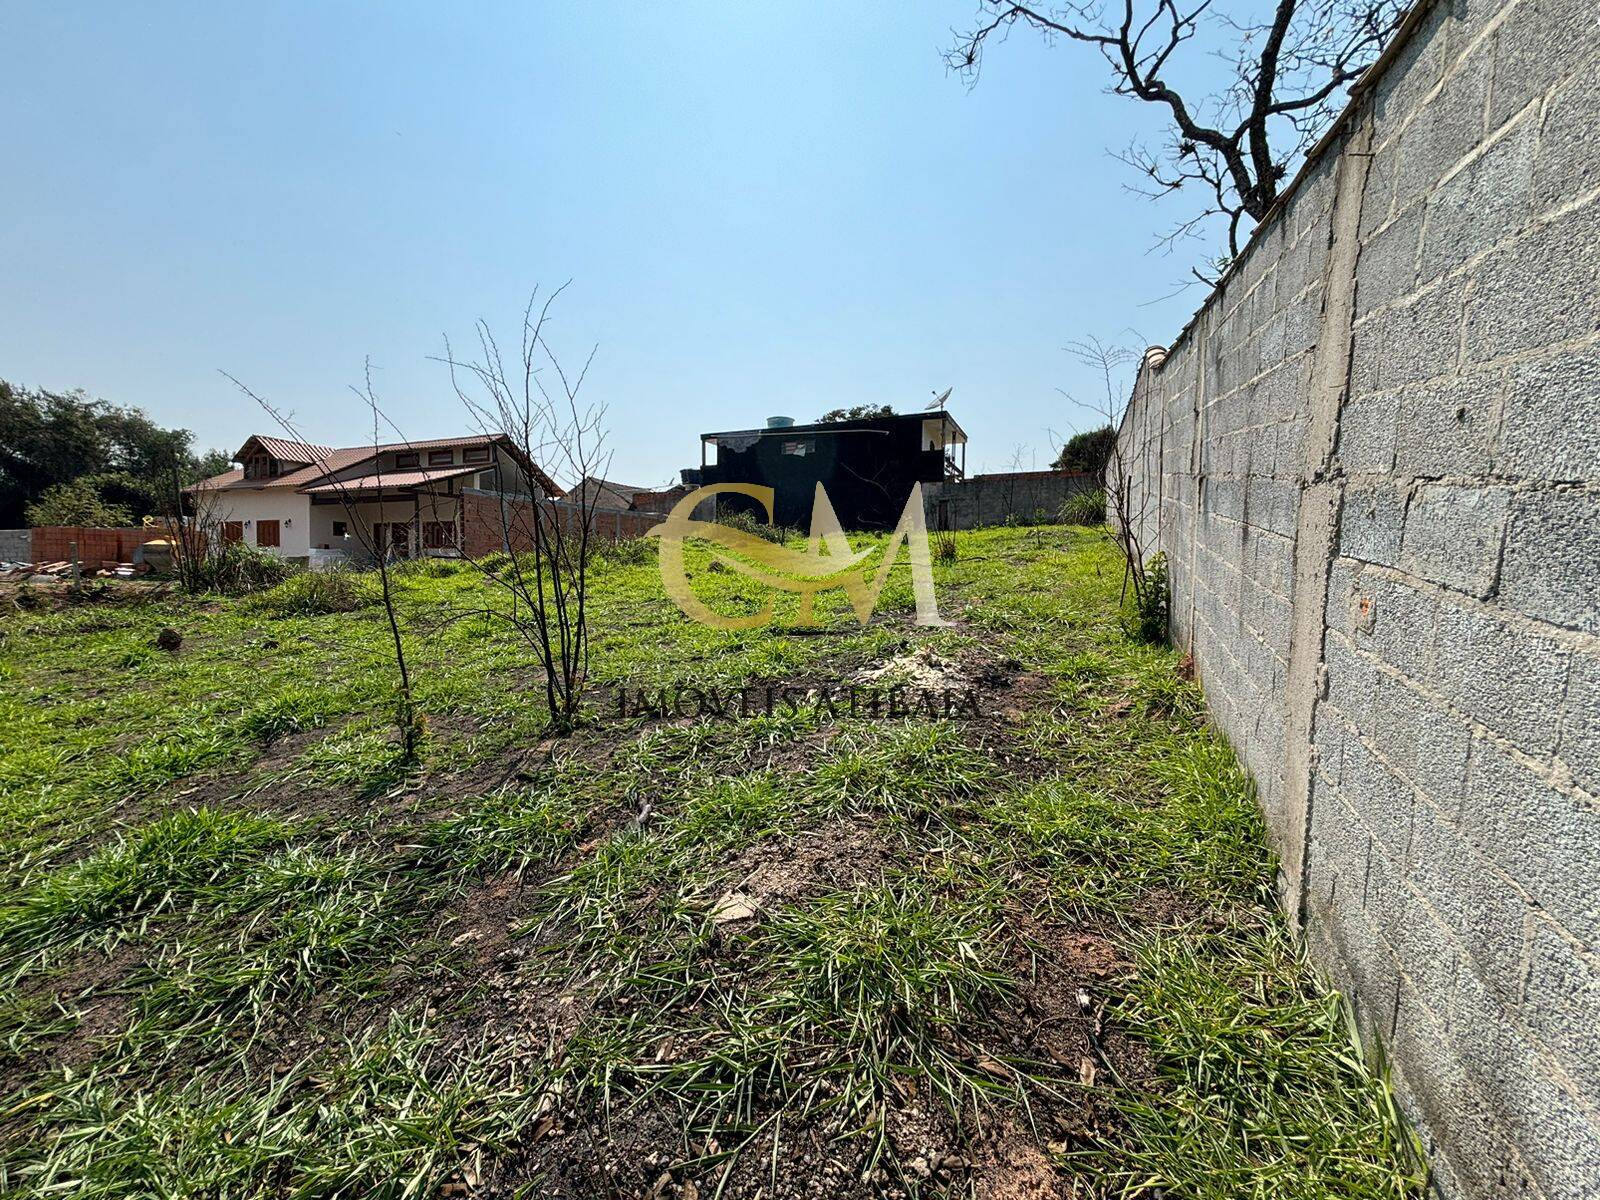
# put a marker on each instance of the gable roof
(299, 452)
(325, 461)
(606, 493)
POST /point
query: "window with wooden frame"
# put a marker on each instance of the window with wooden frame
(410, 459)
(438, 535)
(232, 533)
(474, 455)
(267, 533)
(441, 458)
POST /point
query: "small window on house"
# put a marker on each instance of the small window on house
(232, 532)
(475, 454)
(267, 533)
(401, 461)
(799, 449)
(339, 529)
(441, 458)
(438, 535)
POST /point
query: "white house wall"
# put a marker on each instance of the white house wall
(289, 508)
(441, 508)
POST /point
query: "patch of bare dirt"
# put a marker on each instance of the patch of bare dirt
(92, 987)
(1068, 977)
(1166, 907)
(1009, 1164)
(653, 1153)
(837, 855)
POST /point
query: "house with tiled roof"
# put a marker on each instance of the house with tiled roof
(403, 499)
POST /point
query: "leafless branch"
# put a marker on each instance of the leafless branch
(548, 540)
(1289, 71)
(407, 719)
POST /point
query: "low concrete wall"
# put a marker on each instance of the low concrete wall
(16, 545)
(1373, 461)
(1009, 498)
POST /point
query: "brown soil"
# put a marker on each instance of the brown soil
(92, 986)
(838, 855)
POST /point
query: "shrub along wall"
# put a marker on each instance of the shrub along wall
(1373, 460)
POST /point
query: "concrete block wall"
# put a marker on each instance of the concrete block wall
(1010, 497)
(16, 545)
(1373, 461)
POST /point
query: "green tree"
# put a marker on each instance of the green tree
(1087, 451)
(124, 458)
(861, 412)
(76, 503)
(212, 462)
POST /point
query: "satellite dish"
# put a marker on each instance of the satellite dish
(939, 402)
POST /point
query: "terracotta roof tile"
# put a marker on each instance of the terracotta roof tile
(325, 460)
(389, 479)
(301, 452)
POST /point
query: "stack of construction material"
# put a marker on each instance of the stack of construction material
(104, 569)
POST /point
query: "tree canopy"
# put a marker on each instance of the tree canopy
(861, 412)
(117, 461)
(1087, 451)
(76, 502)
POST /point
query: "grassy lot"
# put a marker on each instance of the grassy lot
(246, 951)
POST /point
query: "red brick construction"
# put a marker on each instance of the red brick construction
(660, 502)
(482, 527)
(53, 543)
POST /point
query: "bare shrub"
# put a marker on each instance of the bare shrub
(549, 543)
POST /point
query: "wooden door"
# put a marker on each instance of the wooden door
(267, 533)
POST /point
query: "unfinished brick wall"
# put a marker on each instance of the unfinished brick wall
(484, 523)
(1373, 459)
(53, 543)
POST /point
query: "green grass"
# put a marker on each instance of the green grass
(246, 950)
(166, 864)
(1264, 1094)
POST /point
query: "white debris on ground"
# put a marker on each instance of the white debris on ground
(922, 667)
(734, 906)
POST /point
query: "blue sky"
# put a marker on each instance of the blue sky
(763, 209)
